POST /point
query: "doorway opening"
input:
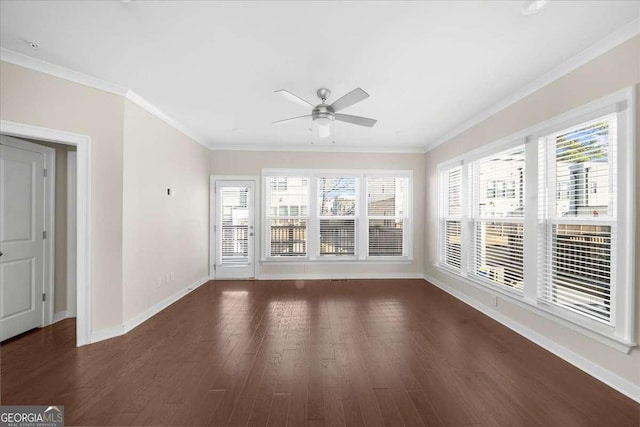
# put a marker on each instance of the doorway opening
(45, 230)
(37, 234)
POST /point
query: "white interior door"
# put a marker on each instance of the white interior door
(234, 230)
(21, 240)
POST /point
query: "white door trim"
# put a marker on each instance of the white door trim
(212, 218)
(83, 213)
(48, 264)
(72, 185)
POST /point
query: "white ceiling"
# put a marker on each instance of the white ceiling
(213, 66)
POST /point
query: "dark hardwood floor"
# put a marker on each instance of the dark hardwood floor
(362, 352)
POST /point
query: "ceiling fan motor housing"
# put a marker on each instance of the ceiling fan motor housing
(323, 111)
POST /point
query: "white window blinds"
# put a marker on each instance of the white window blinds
(579, 233)
(287, 215)
(564, 249)
(234, 247)
(498, 219)
(337, 202)
(387, 214)
(451, 219)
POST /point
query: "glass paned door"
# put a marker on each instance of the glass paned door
(234, 230)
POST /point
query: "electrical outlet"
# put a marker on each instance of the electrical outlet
(158, 282)
(172, 276)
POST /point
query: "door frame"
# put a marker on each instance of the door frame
(83, 213)
(212, 219)
(72, 162)
(48, 261)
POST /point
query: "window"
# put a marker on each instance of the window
(234, 247)
(451, 220)
(580, 230)
(287, 227)
(545, 218)
(345, 215)
(337, 215)
(386, 215)
(498, 219)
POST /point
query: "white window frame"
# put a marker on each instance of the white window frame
(474, 218)
(313, 225)
(620, 333)
(407, 228)
(356, 217)
(266, 217)
(443, 213)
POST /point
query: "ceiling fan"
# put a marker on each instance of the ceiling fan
(323, 115)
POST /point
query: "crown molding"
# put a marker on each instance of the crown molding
(61, 72)
(599, 48)
(319, 149)
(152, 109)
(96, 83)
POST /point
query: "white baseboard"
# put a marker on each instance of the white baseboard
(152, 311)
(105, 334)
(61, 315)
(330, 276)
(130, 324)
(622, 385)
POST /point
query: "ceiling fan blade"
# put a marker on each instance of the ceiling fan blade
(294, 98)
(356, 120)
(291, 119)
(349, 99)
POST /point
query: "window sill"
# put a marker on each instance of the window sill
(336, 260)
(602, 333)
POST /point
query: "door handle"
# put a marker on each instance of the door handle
(1, 253)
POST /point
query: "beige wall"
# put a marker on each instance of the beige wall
(38, 99)
(162, 234)
(615, 70)
(139, 235)
(252, 163)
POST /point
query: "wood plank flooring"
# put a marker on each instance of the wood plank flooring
(309, 353)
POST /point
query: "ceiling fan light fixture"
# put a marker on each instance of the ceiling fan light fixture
(323, 130)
